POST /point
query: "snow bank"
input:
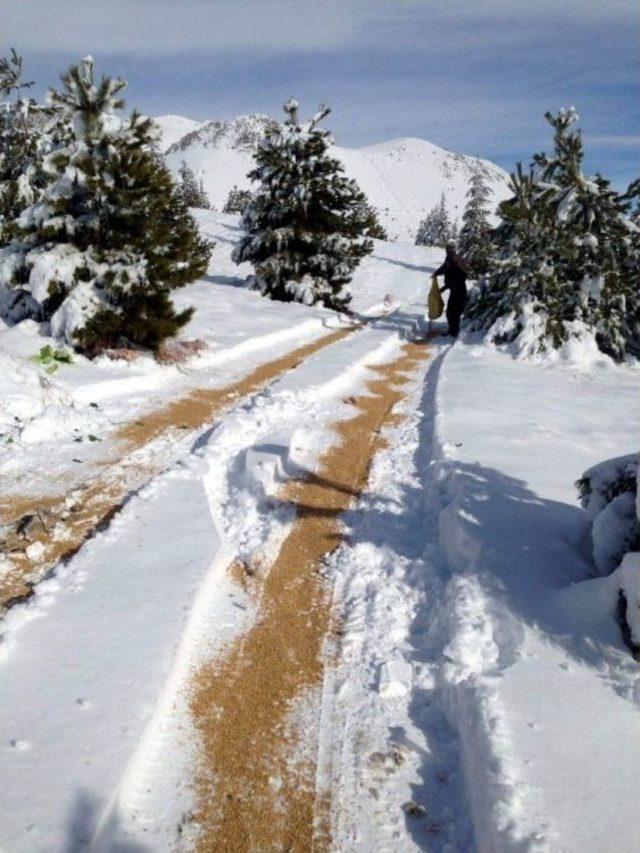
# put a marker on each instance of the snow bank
(529, 637)
(629, 577)
(608, 494)
(579, 351)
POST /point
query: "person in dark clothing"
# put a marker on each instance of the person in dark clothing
(455, 278)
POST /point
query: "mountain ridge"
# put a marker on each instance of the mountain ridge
(404, 177)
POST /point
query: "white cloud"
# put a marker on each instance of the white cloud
(623, 140)
(157, 27)
(152, 27)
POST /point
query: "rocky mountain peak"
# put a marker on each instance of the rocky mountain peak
(239, 134)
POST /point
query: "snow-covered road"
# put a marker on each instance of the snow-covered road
(107, 644)
(477, 694)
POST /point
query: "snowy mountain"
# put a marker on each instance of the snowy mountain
(239, 134)
(403, 178)
(174, 128)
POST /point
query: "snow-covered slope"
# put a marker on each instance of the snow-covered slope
(403, 178)
(174, 128)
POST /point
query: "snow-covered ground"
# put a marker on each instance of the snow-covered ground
(481, 699)
(544, 694)
(47, 420)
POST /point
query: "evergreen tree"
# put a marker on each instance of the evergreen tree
(192, 191)
(567, 257)
(303, 233)
(371, 226)
(474, 238)
(19, 143)
(436, 228)
(237, 200)
(632, 195)
(110, 235)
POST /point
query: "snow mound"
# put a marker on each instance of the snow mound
(608, 494)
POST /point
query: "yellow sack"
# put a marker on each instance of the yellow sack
(435, 305)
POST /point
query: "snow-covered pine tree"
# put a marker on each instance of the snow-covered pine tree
(370, 221)
(566, 265)
(303, 233)
(28, 131)
(436, 228)
(474, 239)
(237, 200)
(192, 191)
(18, 143)
(632, 195)
(110, 236)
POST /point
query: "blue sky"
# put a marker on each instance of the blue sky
(474, 76)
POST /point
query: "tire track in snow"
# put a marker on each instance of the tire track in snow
(120, 557)
(75, 517)
(389, 759)
(256, 776)
(154, 784)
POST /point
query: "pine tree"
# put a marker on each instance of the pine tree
(474, 238)
(19, 143)
(110, 235)
(567, 257)
(632, 195)
(370, 221)
(303, 233)
(436, 228)
(192, 191)
(237, 200)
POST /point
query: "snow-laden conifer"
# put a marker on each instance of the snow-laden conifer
(566, 266)
(23, 123)
(191, 189)
(436, 228)
(303, 233)
(474, 238)
(237, 200)
(370, 220)
(110, 236)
